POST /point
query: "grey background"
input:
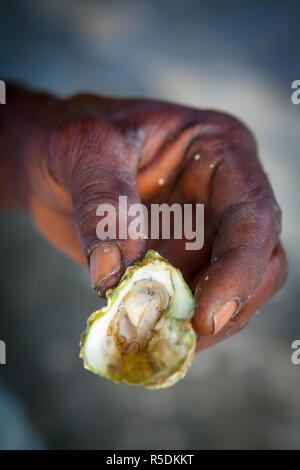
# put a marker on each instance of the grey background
(240, 57)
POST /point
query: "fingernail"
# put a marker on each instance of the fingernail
(105, 260)
(223, 315)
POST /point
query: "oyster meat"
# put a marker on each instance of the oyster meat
(141, 336)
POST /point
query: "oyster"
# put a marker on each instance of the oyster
(141, 336)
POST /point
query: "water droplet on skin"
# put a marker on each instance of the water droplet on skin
(206, 279)
(161, 181)
(197, 156)
(211, 165)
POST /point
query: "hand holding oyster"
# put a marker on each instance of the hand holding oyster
(141, 336)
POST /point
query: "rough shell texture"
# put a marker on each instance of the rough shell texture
(140, 337)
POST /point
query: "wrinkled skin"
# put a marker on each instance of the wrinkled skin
(62, 158)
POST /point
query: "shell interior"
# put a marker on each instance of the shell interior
(140, 337)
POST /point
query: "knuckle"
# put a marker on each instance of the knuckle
(282, 266)
(76, 131)
(228, 124)
(270, 211)
(80, 145)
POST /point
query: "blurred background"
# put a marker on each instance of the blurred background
(238, 56)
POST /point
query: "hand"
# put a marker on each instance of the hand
(85, 151)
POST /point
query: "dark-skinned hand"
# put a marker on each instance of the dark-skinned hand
(62, 158)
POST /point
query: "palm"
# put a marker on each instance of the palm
(190, 262)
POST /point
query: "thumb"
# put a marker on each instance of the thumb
(97, 164)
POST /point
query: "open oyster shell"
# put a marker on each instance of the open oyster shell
(140, 337)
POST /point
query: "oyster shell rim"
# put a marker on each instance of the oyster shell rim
(113, 294)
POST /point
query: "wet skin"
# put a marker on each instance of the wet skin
(62, 158)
